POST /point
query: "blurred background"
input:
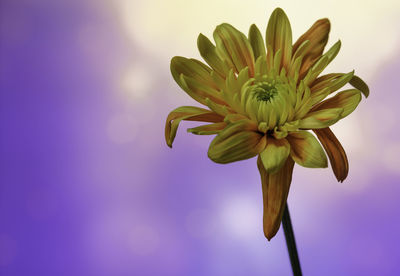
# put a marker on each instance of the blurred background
(89, 187)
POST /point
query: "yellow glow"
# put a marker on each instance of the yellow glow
(167, 28)
(136, 81)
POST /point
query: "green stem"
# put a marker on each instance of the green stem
(290, 242)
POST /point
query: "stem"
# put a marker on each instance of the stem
(290, 242)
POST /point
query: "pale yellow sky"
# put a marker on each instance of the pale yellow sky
(369, 29)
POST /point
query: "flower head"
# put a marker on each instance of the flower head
(262, 99)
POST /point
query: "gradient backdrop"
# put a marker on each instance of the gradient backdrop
(88, 186)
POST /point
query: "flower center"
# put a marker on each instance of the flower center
(264, 91)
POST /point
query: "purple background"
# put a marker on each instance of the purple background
(88, 186)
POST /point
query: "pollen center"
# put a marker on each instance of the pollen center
(264, 91)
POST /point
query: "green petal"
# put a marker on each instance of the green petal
(279, 36)
(235, 47)
(277, 61)
(321, 64)
(208, 52)
(261, 65)
(297, 60)
(303, 101)
(306, 150)
(192, 69)
(280, 132)
(238, 141)
(322, 89)
(348, 100)
(358, 83)
(234, 117)
(324, 80)
(208, 129)
(257, 42)
(337, 155)
(202, 90)
(290, 126)
(275, 189)
(275, 154)
(217, 108)
(328, 79)
(201, 98)
(321, 118)
(301, 50)
(188, 113)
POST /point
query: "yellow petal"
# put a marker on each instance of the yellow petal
(188, 113)
(348, 100)
(257, 42)
(321, 118)
(275, 154)
(337, 155)
(279, 36)
(306, 150)
(358, 83)
(275, 188)
(208, 52)
(318, 36)
(238, 141)
(235, 47)
(208, 129)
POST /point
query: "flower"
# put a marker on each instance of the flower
(262, 99)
